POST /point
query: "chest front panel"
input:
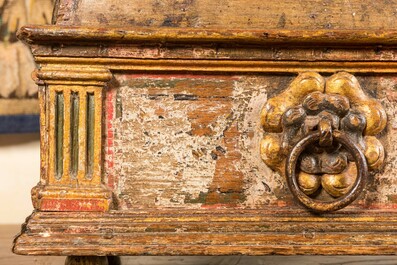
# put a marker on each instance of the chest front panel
(203, 128)
(193, 141)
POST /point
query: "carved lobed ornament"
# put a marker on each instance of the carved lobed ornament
(321, 132)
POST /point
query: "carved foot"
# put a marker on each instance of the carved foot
(87, 260)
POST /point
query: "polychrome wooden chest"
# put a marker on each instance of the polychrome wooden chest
(201, 127)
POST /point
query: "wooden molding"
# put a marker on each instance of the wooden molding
(203, 66)
(72, 34)
(72, 75)
(208, 232)
(66, 199)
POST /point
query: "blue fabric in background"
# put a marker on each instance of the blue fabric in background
(19, 123)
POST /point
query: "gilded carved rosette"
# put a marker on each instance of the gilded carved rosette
(321, 133)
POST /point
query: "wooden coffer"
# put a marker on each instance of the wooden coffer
(198, 127)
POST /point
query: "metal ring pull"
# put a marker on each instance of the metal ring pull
(350, 196)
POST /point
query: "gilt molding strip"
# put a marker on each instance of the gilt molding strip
(212, 66)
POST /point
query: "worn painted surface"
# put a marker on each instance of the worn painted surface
(191, 141)
(202, 117)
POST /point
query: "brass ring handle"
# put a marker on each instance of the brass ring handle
(326, 206)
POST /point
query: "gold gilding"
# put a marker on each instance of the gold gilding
(313, 103)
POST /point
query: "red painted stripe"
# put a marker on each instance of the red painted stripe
(74, 205)
(110, 107)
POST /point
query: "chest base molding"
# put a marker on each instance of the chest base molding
(201, 232)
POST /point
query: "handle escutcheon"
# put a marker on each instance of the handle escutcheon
(341, 202)
(321, 134)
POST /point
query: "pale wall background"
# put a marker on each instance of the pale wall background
(19, 172)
